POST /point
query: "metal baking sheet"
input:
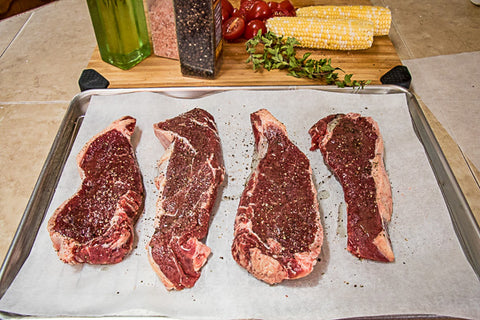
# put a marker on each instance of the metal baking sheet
(461, 215)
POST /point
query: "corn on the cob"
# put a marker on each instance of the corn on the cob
(334, 34)
(381, 17)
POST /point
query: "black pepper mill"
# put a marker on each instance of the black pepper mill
(199, 36)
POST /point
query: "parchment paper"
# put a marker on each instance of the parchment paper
(429, 276)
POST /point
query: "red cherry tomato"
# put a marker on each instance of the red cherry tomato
(287, 5)
(239, 13)
(233, 28)
(252, 28)
(226, 5)
(246, 5)
(225, 15)
(273, 5)
(259, 11)
(250, 16)
(279, 12)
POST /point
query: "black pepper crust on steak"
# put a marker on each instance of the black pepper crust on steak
(190, 173)
(278, 233)
(96, 225)
(353, 149)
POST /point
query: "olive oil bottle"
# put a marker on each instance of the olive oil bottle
(121, 31)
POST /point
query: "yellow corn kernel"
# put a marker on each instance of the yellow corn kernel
(334, 34)
(381, 17)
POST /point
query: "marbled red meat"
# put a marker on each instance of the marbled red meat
(353, 148)
(278, 233)
(190, 173)
(96, 224)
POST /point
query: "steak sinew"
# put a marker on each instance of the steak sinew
(96, 224)
(278, 233)
(190, 173)
(353, 148)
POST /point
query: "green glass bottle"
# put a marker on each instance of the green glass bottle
(121, 31)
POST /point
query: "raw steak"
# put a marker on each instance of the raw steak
(96, 224)
(190, 173)
(353, 148)
(278, 232)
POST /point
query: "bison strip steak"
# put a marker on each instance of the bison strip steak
(353, 148)
(96, 224)
(190, 173)
(278, 233)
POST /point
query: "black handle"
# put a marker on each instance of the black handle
(91, 79)
(398, 75)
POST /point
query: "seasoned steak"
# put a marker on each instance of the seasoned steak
(190, 173)
(96, 224)
(353, 148)
(278, 233)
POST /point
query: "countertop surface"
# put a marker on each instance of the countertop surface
(44, 51)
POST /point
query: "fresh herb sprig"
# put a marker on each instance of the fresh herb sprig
(279, 53)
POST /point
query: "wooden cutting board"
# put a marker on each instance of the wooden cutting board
(155, 71)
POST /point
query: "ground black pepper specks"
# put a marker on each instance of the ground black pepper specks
(199, 37)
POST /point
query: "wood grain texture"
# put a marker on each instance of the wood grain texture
(155, 71)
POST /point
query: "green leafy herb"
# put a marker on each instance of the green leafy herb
(279, 53)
